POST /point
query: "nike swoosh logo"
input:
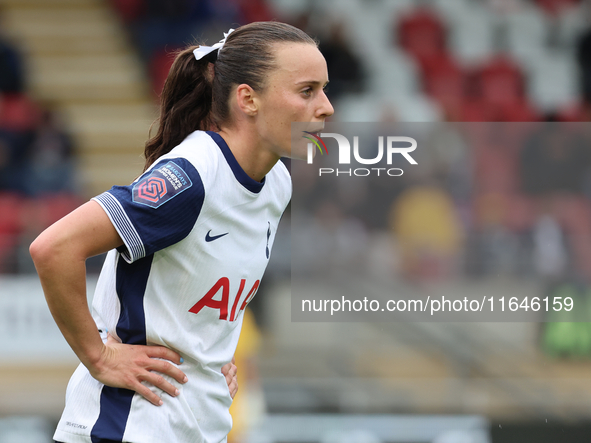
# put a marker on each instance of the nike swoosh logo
(209, 238)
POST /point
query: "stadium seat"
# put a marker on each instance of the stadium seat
(39, 213)
(11, 226)
(376, 108)
(421, 33)
(444, 80)
(291, 8)
(500, 81)
(10, 213)
(56, 206)
(18, 112)
(474, 111)
(255, 11)
(450, 9)
(129, 10)
(417, 108)
(370, 29)
(359, 108)
(574, 112)
(517, 111)
(526, 32)
(471, 35)
(571, 23)
(552, 81)
(556, 7)
(393, 74)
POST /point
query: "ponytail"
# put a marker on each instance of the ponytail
(185, 104)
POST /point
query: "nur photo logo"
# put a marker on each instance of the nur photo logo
(317, 143)
(387, 148)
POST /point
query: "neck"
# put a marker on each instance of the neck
(249, 151)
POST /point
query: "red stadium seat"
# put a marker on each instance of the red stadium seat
(11, 226)
(18, 112)
(500, 81)
(475, 111)
(577, 112)
(11, 206)
(255, 11)
(129, 10)
(41, 212)
(555, 7)
(444, 80)
(421, 33)
(57, 206)
(7, 247)
(518, 111)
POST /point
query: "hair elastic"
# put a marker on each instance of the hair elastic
(203, 50)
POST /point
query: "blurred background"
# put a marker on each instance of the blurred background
(79, 87)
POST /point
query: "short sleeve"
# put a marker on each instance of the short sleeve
(156, 211)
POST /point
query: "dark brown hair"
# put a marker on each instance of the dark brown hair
(191, 101)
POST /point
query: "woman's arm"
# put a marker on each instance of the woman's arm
(59, 254)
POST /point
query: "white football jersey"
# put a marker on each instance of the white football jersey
(197, 233)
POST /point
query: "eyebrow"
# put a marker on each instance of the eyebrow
(311, 82)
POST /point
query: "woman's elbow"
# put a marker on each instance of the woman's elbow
(40, 250)
(44, 250)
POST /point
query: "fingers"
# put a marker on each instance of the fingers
(168, 369)
(233, 387)
(162, 352)
(145, 392)
(162, 367)
(156, 379)
(230, 368)
(160, 382)
(230, 372)
(138, 367)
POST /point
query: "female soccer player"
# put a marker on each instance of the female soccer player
(188, 242)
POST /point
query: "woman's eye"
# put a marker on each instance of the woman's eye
(307, 92)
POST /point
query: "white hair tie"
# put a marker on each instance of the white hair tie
(203, 50)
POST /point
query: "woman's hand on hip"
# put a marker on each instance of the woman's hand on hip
(127, 366)
(230, 371)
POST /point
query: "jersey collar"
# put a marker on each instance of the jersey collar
(245, 180)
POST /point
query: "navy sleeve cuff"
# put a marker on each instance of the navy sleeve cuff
(134, 247)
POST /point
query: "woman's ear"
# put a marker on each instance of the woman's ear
(246, 99)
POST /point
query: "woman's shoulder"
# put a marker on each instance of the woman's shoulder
(281, 178)
(195, 146)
